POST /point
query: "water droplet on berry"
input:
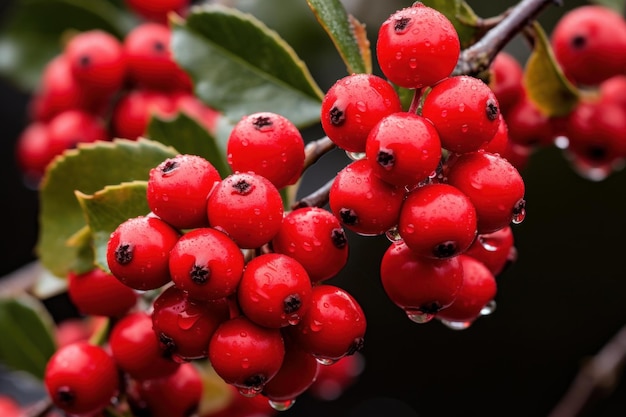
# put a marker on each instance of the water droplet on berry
(361, 106)
(464, 128)
(282, 405)
(456, 325)
(488, 308)
(186, 321)
(250, 392)
(519, 212)
(398, 56)
(244, 142)
(409, 228)
(413, 63)
(355, 156)
(444, 113)
(325, 361)
(417, 316)
(484, 242)
(316, 326)
(243, 334)
(245, 363)
(393, 234)
(307, 246)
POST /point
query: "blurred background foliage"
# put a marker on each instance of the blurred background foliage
(556, 306)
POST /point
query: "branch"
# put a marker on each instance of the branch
(595, 380)
(477, 57)
(317, 198)
(316, 149)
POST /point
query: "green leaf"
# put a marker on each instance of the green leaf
(346, 32)
(108, 208)
(189, 137)
(239, 66)
(462, 17)
(618, 5)
(64, 241)
(34, 32)
(27, 334)
(544, 81)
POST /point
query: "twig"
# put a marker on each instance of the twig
(314, 150)
(477, 57)
(595, 380)
(317, 198)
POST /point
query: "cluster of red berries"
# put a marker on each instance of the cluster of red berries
(589, 45)
(100, 87)
(430, 177)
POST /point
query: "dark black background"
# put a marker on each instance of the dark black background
(557, 305)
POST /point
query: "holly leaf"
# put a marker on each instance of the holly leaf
(240, 66)
(461, 15)
(189, 137)
(618, 5)
(65, 242)
(108, 208)
(27, 334)
(34, 31)
(546, 85)
(346, 32)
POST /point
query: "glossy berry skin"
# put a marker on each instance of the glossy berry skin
(178, 189)
(334, 325)
(500, 142)
(193, 107)
(247, 207)
(528, 126)
(403, 149)
(99, 293)
(245, 354)
(495, 250)
(494, 186)
(362, 202)
(353, 105)
(136, 349)
(333, 379)
(479, 288)
(589, 42)
(133, 111)
(138, 252)
(275, 290)
(184, 326)
(32, 151)
(309, 234)
(10, 407)
(81, 378)
(267, 144)
(174, 395)
(97, 62)
(149, 59)
(297, 373)
(417, 284)
(506, 74)
(207, 264)
(464, 111)
(437, 221)
(417, 46)
(156, 10)
(70, 127)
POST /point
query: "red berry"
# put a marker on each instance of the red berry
(500, 142)
(613, 90)
(506, 75)
(70, 127)
(494, 186)
(138, 252)
(206, 264)
(334, 325)
(99, 293)
(590, 44)
(417, 46)
(178, 189)
(97, 62)
(267, 144)
(248, 207)
(464, 111)
(9, 407)
(363, 202)
(33, 152)
(184, 326)
(528, 126)
(353, 105)
(136, 349)
(133, 111)
(495, 249)
(333, 379)
(245, 354)
(403, 149)
(478, 289)
(418, 285)
(437, 221)
(175, 395)
(193, 107)
(149, 58)
(309, 234)
(275, 290)
(157, 10)
(81, 378)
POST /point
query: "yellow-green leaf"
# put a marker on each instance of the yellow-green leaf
(462, 17)
(545, 83)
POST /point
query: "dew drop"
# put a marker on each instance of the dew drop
(245, 363)
(419, 317)
(355, 156)
(361, 106)
(461, 107)
(315, 326)
(413, 63)
(393, 234)
(519, 212)
(398, 56)
(282, 405)
(489, 308)
(250, 392)
(444, 113)
(325, 361)
(456, 325)
(409, 229)
(484, 242)
(464, 128)
(186, 321)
